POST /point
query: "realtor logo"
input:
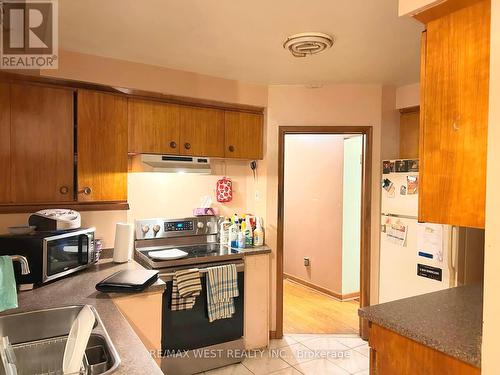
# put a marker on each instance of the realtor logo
(29, 34)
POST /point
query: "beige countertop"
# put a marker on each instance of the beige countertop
(79, 289)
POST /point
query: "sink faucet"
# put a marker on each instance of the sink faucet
(25, 267)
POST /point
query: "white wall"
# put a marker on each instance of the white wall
(490, 361)
(351, 214)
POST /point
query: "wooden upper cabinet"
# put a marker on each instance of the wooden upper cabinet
(42, 152)
(154, 127)
(454, 117)
(409, 130)
(102, 146)
(5, 196)
(202, 131)
(244, 135)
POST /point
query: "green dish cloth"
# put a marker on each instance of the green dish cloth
(8, 289)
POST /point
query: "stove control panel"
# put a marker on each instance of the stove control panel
(166, 228)
(178, 226)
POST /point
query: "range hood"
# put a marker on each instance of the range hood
(177, 164)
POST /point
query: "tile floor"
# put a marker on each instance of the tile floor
(306, 354)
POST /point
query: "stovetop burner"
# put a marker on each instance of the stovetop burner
(198, 253)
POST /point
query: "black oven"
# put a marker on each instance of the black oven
(190, 330)
(50, 255)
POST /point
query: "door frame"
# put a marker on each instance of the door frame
(366, 200)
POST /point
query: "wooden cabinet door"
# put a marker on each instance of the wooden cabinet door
(243, 135)
(5, 196)
(102, 147)
(202, 131)
(455, 117)
(153, 127)
(409, 130)
(42, 152)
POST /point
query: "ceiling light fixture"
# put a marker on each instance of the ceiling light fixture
(311, 43)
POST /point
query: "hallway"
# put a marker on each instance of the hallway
(309, 311)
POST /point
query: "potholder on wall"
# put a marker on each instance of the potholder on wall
(224, 190)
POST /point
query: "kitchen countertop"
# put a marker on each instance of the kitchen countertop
(449, 321)
(79, 289)
(255, 250)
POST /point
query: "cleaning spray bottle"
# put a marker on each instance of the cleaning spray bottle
(258, 234)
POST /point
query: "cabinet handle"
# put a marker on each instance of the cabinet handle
(64, 190)
(173, 144)
(86, 190)
(187, 146)
(231, 148)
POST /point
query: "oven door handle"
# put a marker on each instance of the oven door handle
(167, 276)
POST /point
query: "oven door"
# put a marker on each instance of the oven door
(67, 253)
(190, 329)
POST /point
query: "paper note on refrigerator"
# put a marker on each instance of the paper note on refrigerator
(430, 241)
(396, 232)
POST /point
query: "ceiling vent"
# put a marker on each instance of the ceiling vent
(305, 44)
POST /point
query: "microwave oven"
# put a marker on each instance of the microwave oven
(50, 255)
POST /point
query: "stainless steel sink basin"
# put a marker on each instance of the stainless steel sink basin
(43, 334)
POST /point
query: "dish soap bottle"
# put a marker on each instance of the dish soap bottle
(233, 235)
(258, 234)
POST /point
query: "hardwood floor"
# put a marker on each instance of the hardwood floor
(308, 311)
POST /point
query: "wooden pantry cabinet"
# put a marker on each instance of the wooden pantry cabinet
(454, 115)
(5, 196)
(102, 147)
(36, 147)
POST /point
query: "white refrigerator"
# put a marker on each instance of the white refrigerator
(409, 248)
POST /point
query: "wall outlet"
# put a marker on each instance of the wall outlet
(307, 262)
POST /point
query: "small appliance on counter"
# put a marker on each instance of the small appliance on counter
(55, 219)
(50, 255)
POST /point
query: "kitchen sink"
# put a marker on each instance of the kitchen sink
(38, 339)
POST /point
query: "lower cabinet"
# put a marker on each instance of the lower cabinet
(393, 354)
(256, 325)
(143, 313)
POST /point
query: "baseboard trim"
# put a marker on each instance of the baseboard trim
(338, 296)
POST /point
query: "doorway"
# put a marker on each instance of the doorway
(320, 287)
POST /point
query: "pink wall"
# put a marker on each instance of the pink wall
(330, 105)
(313, 209)
(89, 68)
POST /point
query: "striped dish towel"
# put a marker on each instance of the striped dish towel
(222, 287)
(186, 286)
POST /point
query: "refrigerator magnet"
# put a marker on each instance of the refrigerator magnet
(386, 166)
(401, 166)
(412, 165)
(412, 185)
(402, 190)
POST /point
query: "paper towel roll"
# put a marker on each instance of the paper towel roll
(124, 243)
